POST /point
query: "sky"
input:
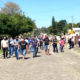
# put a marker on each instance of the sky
(42, 11)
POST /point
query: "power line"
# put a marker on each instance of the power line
(72, 21)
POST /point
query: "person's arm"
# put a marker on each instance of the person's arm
(19, 46)
(8, 44)
(26, 46)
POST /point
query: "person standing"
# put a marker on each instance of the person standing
(41, 43)
(72, 42)
(62, 42)
(55, 48)
(29, 45)
(16, 43)
(4, 46)
(24, 47)
(79, 40)
(34, 42)
(11, 46)
(46, 41)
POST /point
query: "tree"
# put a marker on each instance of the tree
(61, 26)
(78, 25)
(15, 23)
(54, 27)
(11, 8)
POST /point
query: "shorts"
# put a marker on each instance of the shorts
(46, 47)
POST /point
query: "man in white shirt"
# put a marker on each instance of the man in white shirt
(4, 46)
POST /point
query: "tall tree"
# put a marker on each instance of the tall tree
(14, 23)
(54, 27)
(61, 26)
(11, 8)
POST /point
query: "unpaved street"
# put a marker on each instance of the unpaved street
(61, 66)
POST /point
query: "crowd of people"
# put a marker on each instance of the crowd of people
(23, 45)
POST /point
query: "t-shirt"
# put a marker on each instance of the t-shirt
(23, 45)
(4, 43)
(29, 41)
(11, 42)
(54, 41)
(34, 42)
(16, 42)
(46, 41)
(62, 42)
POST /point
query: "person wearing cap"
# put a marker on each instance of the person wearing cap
(24, 46)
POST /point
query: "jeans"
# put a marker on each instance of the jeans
(5, 52)
(11, 50)
(55, 49)
(23, 51)
(61, 48)
(34, 51)
(79, 43)
(30, 47)
(16, 52)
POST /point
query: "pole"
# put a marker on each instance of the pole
(72, 21)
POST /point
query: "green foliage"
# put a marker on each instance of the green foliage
(16, 23)
(60, 27)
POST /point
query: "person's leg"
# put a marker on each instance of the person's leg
(79, 43)
(53, 48)
(12, 48)
(73, 44)
(45, 49)
(70, 45)
(34, 51)
(16, 53)
(56, 48)
(61, 48)
(4, 53)
(29, 48)
(24, 53)
(48, 49)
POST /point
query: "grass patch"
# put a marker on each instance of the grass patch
(1, 51)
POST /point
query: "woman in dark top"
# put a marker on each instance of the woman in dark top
(55, 49)
(46, 41)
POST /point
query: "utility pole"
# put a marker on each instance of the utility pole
(72, 21)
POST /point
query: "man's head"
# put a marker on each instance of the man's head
(23, 39)
(4, 38)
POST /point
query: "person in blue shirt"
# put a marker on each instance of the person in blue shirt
(29, 44)
(34, 42)
(11, 46)
(16, 43)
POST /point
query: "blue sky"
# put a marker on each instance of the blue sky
(42, 10)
